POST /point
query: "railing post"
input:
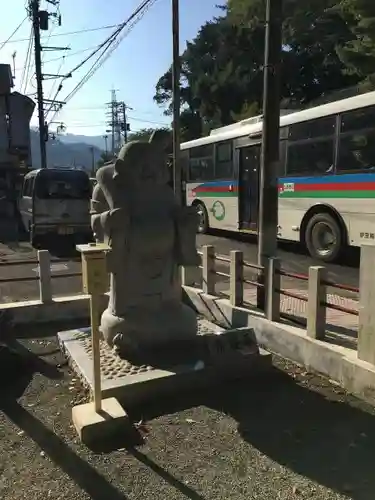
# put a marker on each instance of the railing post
(316, 311)
(236, 278)
(208, 264)
(366, 319)
(45, 288)
(272, 291)
(189, 275)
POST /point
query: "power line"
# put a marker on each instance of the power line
(146, 121)
(25, 73)
(11, 36)
(106, 45)
(71, 54)
(69, 33)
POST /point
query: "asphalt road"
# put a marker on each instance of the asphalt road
(66, 261)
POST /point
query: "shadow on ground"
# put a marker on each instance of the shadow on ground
(325, 440)
(20, 365)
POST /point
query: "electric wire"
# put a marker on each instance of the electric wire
(106, 46)
(14, 32)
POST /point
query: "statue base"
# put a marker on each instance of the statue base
(217, 355)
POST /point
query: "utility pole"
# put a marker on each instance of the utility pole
(92, 162)
(177, 178)
(40, 21)
(125, 127)
(105, 137)
(34, 9)
(125, 124)
(114, 122)
(268, 201)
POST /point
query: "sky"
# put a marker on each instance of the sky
(133, 69)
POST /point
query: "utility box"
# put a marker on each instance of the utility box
(94, 268)
(6, 79)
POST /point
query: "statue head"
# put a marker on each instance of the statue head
(143, 162)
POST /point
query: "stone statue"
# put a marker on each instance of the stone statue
(134, 210)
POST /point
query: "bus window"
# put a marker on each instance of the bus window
(224, 161)
(310, 157)
(357, 141)
(311, 147)
(358, 119)
(322, 127)
(201, 165)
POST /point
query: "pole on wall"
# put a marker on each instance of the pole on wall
(268, 192)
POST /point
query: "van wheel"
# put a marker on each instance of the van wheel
(202, 218)
(324, 237)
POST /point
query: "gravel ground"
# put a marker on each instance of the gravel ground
(291, 435)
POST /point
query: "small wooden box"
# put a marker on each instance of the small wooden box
(94, 268)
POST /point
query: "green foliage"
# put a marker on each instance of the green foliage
(359, 52)
(104, 158)
(328, 46)
(144, 134)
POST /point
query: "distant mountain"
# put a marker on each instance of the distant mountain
(92, 140)
(80, 153)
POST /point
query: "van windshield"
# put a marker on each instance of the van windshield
(72, 185)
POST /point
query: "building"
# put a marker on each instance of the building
(16, 111)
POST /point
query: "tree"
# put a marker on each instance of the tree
(222, 68)
(144, 134)
(104, 158)
(313, 32)
(359, 52)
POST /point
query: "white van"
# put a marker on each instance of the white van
(56, 202)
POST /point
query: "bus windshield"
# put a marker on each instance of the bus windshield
(72, 185)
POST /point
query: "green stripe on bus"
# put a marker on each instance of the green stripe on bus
(328, 194)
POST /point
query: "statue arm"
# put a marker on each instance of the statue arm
(99, 206)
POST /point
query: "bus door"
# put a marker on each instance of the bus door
(249, 174)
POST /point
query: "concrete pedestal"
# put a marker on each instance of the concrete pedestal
(95, 426)
(221, 355)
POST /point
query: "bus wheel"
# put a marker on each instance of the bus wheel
(202, 218)
(324, 237)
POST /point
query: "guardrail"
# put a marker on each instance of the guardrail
(44, 276)
(316, 298)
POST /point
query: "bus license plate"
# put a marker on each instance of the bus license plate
(65, 230)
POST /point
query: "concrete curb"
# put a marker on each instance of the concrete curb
(59, 309)
(337, 363)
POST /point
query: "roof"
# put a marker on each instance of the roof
(244, 128)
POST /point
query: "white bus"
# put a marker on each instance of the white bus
(326, 176)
